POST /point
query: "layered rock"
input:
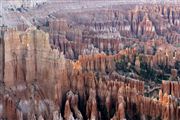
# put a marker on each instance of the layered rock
(28, 59)
(145, 26)
(71, 72)
(171, 88)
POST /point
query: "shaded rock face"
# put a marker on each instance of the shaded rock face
(1, 64)
(2, 56)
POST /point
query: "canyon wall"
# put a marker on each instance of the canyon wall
(42, 84)
(91, 63)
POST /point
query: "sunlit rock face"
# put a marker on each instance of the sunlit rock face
(29, 57)
(34, 72)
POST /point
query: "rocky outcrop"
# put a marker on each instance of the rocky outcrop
(171, 88)
(70, 70)
(145, 26)
(67, 111)
(73, 99)
(32, 83)
(29, 57)
(40, 78)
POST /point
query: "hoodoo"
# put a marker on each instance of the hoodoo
(89, 60)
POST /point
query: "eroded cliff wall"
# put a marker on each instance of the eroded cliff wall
(39, 79)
